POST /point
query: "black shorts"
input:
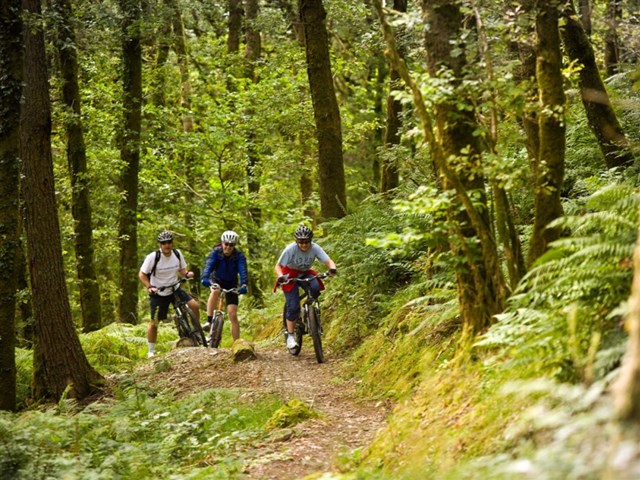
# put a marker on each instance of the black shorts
(161, 303)
(230, 298)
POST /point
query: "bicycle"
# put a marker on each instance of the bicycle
(217, 322)
(186, 322)
(309, 321)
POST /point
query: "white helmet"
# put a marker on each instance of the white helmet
(229, 237)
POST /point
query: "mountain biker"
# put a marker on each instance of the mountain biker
(223, 265)
(160, 269)
(295, 262)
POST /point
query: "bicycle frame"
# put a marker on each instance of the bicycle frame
(186, 323)
(309, 323)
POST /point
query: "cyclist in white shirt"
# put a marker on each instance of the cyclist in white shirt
(160, 269)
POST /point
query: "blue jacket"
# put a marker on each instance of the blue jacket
(224, 270)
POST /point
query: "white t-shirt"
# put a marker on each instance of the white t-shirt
(166, 273)
(295, 258)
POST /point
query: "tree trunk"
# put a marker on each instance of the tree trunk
(505, 227)
(611, 51)
(626, 389)
(253, 51)
(602, 119)
(390, 177)
(60, 366)
(77, 162)
(550, 163)
(130, 156)
(186, 157)
(10, 94)
(235, 24)
(481, 287)
(584, 7)
(483, 273)
(333, 196)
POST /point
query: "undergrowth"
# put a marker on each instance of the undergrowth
(140, 433)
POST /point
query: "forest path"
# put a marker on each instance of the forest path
(312, 446)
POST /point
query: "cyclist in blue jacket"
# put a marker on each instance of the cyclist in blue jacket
(223, 266)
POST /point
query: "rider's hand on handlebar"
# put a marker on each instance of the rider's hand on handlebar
(333, 271)
(282, 279)
(189, 274)
(242, 290)
(152, 290)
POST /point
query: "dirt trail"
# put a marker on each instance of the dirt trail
(310, 446)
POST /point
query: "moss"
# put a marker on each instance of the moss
(294, 412)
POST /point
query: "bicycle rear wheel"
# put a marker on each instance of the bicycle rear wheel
(314, 331)
(216, 329)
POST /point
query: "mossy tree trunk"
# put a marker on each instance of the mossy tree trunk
(60, 366)
(602, 119)
(481, 285)
(549, 166)
(390, 177)
(333, 196)
(10, 94)
(77, 163)
(130, 156)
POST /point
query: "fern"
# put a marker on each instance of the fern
(564, 304)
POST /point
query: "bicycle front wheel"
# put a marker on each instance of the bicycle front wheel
(314, 332)
(216, 330)
(195, 329)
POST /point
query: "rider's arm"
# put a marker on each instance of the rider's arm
(330, 264)
(144, 279)
(209, 265)
(278, 269)
(243, 271)
(185, 273)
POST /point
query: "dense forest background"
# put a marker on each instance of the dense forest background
(471, 166)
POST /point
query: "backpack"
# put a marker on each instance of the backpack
(155, 263)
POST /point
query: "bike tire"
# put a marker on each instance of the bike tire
(314, 331)
(216, 330)
(195, 331)
(181, 325)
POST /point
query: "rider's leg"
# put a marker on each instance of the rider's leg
(195, 308)
(292, 307)
(152, 336)
(232, 311)
(159, 309)
(314, 288)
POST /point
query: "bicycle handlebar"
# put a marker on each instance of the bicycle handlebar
(307, 280)
(215, 286)
(301, 280)
(173, 287)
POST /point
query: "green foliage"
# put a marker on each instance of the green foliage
(369, 273)
(143, 434)
(564, 310)
(24, 376)
(555, 436)
(121, 346)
